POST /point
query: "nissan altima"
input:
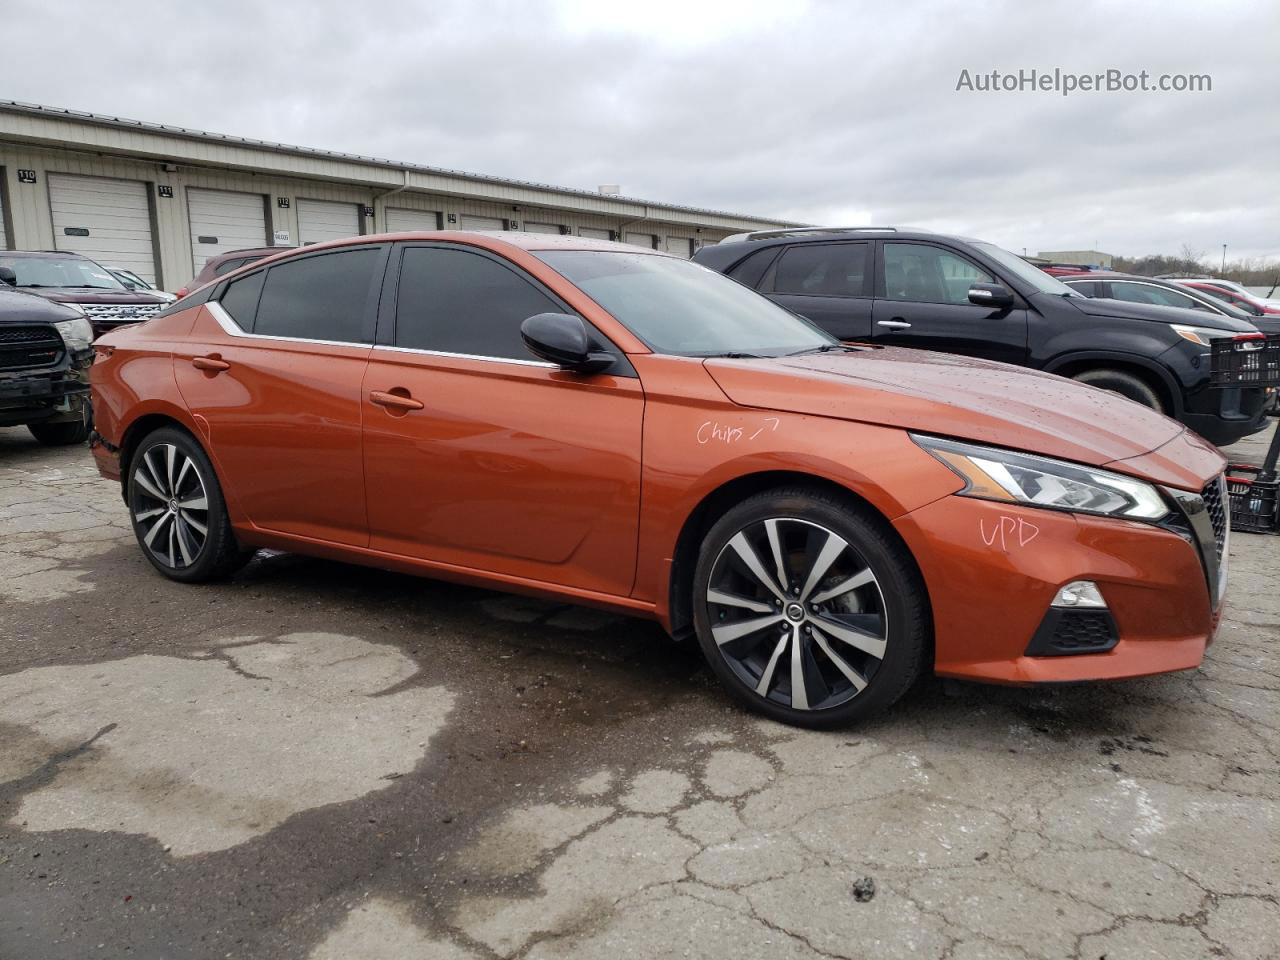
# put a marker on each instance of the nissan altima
(612, 426)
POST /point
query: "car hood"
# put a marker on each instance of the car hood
(1100, 307)
(952, 396)
(19, 307)
(90, 295)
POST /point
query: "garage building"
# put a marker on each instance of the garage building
(161, 200)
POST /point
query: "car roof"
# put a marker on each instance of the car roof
(493, 239)
(42, 254)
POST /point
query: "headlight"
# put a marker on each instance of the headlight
(994, 474)
(77, 334)
(1200, 335)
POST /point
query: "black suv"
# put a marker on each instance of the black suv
(913, 288)
(44, 366)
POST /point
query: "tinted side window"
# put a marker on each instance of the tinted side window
(823, 270)
(928, 274)
(318, 298)
(751, 270)
(241, 299)
(1149, 293)
(226, 266)
(456, 301)
(1088, 288)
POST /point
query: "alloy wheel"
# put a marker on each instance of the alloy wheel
(797, 613)
(170, 505)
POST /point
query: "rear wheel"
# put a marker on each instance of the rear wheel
(1125, 384)
(177, 509)
(808, 608)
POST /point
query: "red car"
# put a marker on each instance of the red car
(1241, 301)
(607, 425)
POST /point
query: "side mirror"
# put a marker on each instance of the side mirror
(562, 339)
(8, 276)
(993, 295)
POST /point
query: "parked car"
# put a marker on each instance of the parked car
(1136, 289)
(1224, 284)
(44, 366)
(1242, 300)
(614, 426)
(224, 263)
(134, 282)
(71, 278)
(913, 288)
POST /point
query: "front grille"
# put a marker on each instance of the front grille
(1213, 502)
(1065, 632)
(28, 346)
(120, 311)
(107, 316)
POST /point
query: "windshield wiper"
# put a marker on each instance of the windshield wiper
(825, 348)
(736, 356)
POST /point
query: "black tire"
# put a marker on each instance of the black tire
(65, 432)
(1125, 384)
(893, 606)
(172, 493)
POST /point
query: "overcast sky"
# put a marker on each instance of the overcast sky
(823, 112)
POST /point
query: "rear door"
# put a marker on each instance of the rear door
(828, 283)
(274, 367)
(922, 300)
(486, 457)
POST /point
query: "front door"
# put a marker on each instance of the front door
(479, 455)
(922, 300)
(274, 368)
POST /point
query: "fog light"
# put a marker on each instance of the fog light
(1080, 594)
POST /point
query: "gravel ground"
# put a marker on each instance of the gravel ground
(321, 761)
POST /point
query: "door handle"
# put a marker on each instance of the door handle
(394, 401)
(895, 324)
(214, 364)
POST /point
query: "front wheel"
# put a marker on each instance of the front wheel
(65, 432)
(809, 609)
(177, 509)
(1125, 384)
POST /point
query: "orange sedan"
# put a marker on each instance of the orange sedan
(618, 427)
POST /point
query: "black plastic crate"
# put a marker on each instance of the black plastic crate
(1245, 363)
(1253, 501)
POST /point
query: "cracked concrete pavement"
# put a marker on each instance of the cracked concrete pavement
(319, 761)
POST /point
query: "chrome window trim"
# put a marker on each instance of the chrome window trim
(1072, 281)
(467, 356)
(231, 328)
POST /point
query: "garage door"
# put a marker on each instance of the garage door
(321, 220)
(401, 218)
(106, 220)
(642, 240)
(595, 233)
(532, 227)
(680, 246)
(481, 223)
(222, 220)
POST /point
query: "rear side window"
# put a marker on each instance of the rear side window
(1150, 293)
(241, 299)
(455, 301)
(751, 270)
(226, 266)
(1087, 288)
(318, 298)
(823, 270)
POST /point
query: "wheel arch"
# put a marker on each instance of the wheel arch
(147, 422)
(724, 497)
(1148, 371)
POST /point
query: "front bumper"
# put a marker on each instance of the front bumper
(993, 569)
(30, 396)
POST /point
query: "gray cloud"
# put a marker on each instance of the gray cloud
(828, 112)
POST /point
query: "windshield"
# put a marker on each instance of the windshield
(1043, 282)
(676, 306)
(60, 272)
